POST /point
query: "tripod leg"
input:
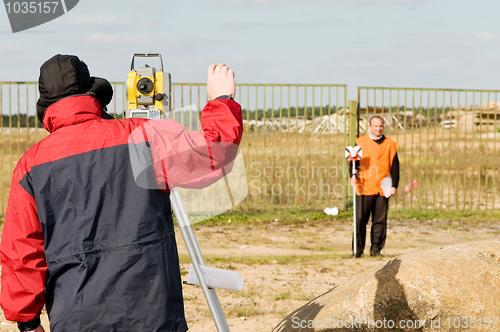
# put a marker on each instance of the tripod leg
(197, 259)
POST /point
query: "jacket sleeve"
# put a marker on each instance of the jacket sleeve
(24, 266)
(395, 171)
(174, 157)
(221, 121)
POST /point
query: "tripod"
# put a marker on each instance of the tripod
(197, 259)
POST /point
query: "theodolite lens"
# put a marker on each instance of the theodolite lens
(145, 86)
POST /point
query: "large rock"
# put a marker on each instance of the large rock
(450, 288)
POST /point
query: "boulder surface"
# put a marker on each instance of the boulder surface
(452, 288)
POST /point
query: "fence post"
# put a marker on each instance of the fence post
(353, 117)
(353, 122)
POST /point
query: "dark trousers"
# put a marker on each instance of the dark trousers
(377, 207)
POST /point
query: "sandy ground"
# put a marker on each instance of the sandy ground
(285, 266)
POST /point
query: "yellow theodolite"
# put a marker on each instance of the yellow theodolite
(149, 90)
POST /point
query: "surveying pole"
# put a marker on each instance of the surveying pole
(353, 154)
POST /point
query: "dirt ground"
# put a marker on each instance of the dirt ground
(285, 266)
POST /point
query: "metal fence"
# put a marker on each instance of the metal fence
(448, 142)
(295, 136)
(294, 142)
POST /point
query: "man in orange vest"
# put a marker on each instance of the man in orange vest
(379, 161)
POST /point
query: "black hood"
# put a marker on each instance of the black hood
(66, 75)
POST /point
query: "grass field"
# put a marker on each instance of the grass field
(287, 250)
(287, 259)
(454, 169)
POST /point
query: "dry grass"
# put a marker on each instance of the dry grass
(288, 262)
(303, 171)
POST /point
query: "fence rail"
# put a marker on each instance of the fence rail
(295, 136)
(289, 163)
(448, 142)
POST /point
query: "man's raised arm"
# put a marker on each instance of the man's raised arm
(193, 159)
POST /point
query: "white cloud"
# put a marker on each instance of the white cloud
(462, 43)
(109, 38)
(424, 67)
(299, 24)
(333, 2)
(422, 20)
(376, 2)
(98, 22)
(94, 21)
(10, 47)
(487, 36)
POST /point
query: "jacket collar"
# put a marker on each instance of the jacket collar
(70, 111)
(375, 138)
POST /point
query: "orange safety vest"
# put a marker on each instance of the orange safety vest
(375, 165)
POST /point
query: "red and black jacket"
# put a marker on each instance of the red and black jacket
(78, 225)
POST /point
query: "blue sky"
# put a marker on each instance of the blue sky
(400, 43)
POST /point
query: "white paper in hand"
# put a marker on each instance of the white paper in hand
(386, 185)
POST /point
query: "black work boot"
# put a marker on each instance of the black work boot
(358, 255)
(376, 254)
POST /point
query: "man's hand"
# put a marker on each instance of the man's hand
(353, 181)
(393, 191)
(220, 81)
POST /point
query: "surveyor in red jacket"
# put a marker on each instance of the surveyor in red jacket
(77, 223)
